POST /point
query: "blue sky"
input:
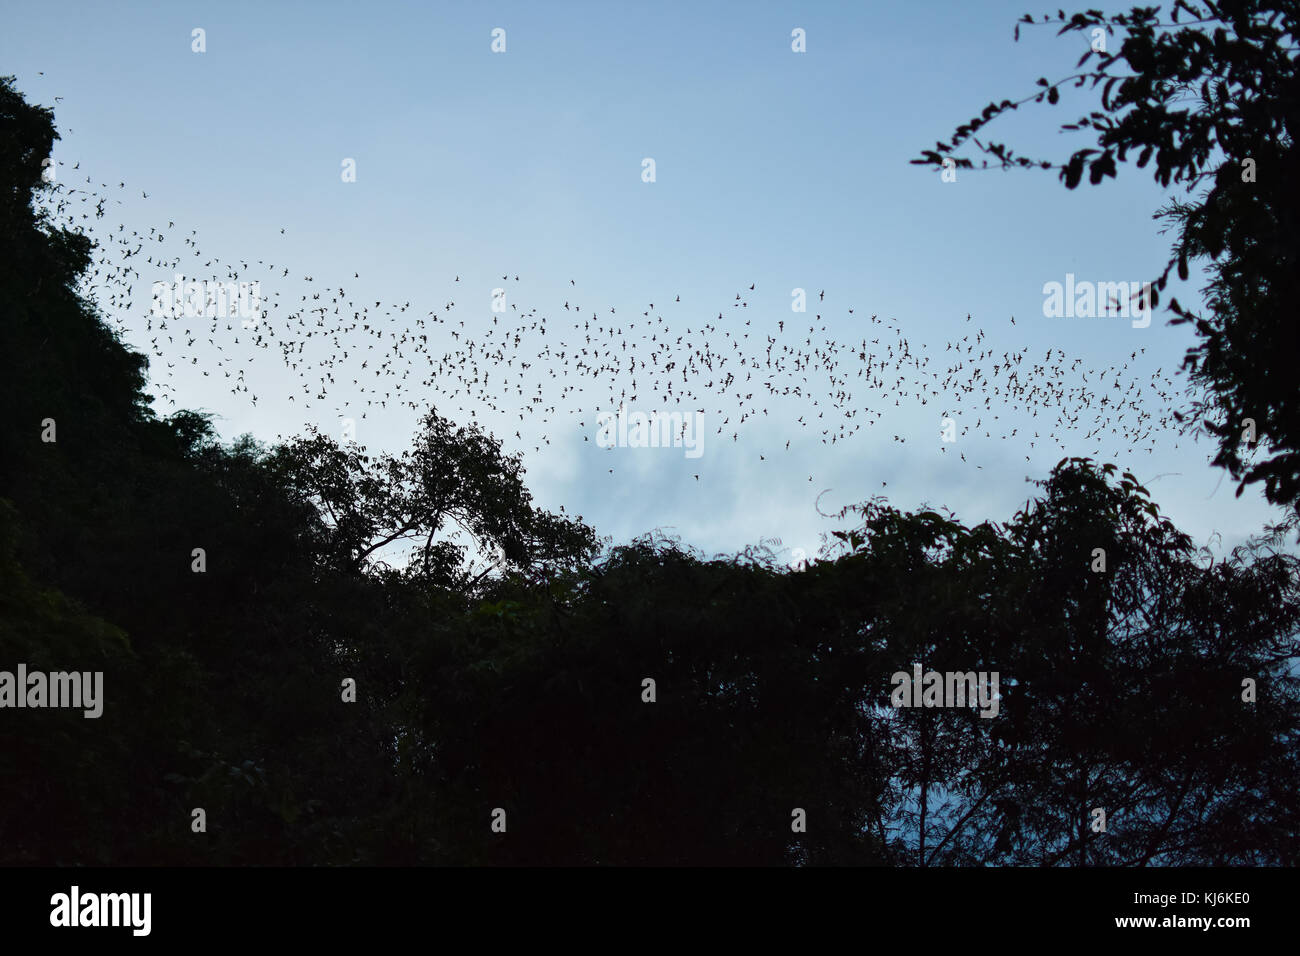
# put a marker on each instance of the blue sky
(773, 168)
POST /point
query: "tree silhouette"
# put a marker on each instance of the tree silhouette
(523, 685)
(1213, 97)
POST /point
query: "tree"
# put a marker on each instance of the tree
(454, 476)
(526, 689)
(1213, 97)
(1121, 683)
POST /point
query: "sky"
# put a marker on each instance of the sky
(775, 169)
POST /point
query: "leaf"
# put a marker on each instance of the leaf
(1073, 172)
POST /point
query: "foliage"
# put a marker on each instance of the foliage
(1212, 96)
(521, 686)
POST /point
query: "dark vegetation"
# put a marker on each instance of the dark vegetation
(522, 688)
